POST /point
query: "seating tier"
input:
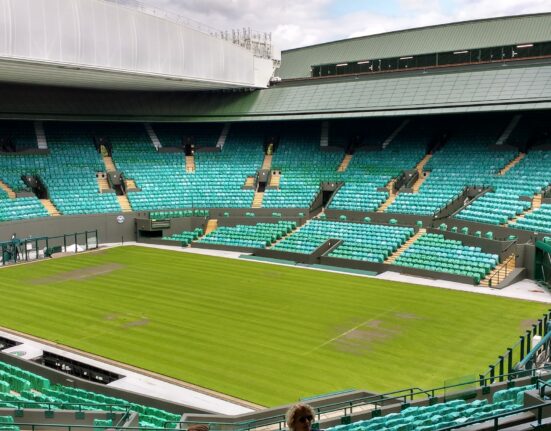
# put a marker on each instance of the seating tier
(260, 235)
(435, 253)
(366, 242)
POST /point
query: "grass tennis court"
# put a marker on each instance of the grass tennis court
(264, 333)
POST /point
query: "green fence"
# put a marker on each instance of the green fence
(28, 249)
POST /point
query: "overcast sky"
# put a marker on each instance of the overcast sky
(295, 23)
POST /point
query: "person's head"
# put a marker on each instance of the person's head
(198, 427)
(300, 417)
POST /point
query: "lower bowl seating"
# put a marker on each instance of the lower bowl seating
(435, 253)
(260, 235)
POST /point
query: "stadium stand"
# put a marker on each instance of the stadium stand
(467, 159)
(443, 415)
(303, 166)
(375, 167)
(260, 235)
(185, 238)
(537, 221)
(468, 109)
(434, 252)
(21, 389)
(178, 134)
(360, 241)
(528, 177)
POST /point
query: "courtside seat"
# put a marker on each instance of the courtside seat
(366, 242)
(435, 253)
(186, 237)
(260, 235)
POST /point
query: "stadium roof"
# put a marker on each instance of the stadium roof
(513, 87)
(425, 40)
(105, 45)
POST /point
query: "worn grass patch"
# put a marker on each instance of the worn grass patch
(268, 334)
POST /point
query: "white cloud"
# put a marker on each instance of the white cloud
(305, 22)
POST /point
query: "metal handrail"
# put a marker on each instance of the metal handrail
(374, 400)
(504, 265)
(20, 405)
(279, 419)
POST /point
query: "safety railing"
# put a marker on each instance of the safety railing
(34, 248)
(372, 403)
(502, 273)
(66, 405)
(515, 354)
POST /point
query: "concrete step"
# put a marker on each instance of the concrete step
(50, 207)
(124, 203)
(345, 162)
(7, 189)
(390, 259)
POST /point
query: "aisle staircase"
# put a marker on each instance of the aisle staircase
(103, 184)
(212, 224)
(257, 200)
(108, 162)
(124, 203)
(512, 163)
(50, 207)
(422, 174)
(249, 182)
(41, 140)
(388, 140)
(509, 129)
(190, 164)
(130, 184)
(345, 162)
(275, 179)
(267, 163)
(223, 136)
(536, 203)
(391, 197)
(421, 165)
(405, 246)
(7, 189)
(153, 136)
(501, 270)
(417, 184)
(299, 227)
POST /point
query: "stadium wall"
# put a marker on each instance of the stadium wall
(112, 229)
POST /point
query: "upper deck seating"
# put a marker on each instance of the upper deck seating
(216, 182)
(530, 176)
(373, 167)
(467, 159)
(303, 164)
(173, 134)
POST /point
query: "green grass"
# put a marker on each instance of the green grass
(268, 334)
